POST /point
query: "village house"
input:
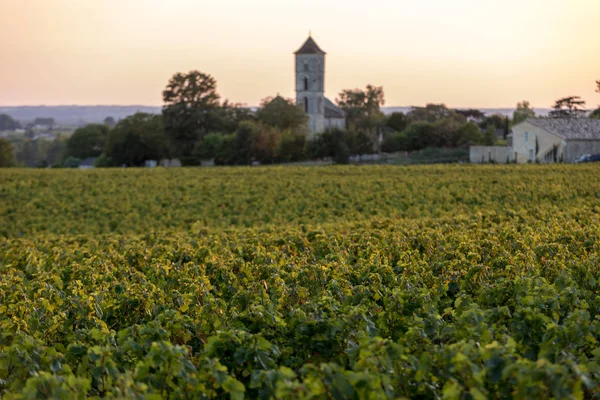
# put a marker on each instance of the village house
(544, 140)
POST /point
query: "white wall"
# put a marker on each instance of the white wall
(524, 143)
(331, 123)
(487, 154)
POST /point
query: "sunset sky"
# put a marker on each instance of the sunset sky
(476, 53)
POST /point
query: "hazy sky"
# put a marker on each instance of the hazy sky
(479, 53)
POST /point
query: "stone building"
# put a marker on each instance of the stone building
(549, 140)
(310, 89)
(544, 140)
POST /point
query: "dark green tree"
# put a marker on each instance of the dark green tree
(468, 134)
(110, 122)
(431, 113)
(396, 121)
(568, 107)
(394, 142)
(420, 134)
(191, 109)
(230, 115)
(255, 142)
(88, 141)
(57, 151)
(282, 114)
(291, 146)
(7, 123)
(445, 129)
(7, 157)
(489, 135)
(208, 147)
(137, 139)
(471, 114)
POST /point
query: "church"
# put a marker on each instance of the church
(323, 114)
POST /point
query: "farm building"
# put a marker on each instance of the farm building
(544, 140)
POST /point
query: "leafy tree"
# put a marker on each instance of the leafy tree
(7, 123)
(208, 147)
(394, 142)
(445, 129)
(137, 139)
(396, 121)
(496, 120)
(7, 158)
(191, 109)
(224, 155)
(363, 143)
(596, 113)
(469, 134)
(523, 112)
(489, 135)
(255, 142)
(431, 113)
(363, 107)
(291, 146)
(88, 141)
(282, 114)
(420, 134)
(57, 150)
(36, 153)
(320, 145)
(568, 107)
(230, 115)
(471, 114)
(110, 122)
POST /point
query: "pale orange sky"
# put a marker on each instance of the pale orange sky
(477, 53)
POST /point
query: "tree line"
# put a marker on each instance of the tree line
(196, 125)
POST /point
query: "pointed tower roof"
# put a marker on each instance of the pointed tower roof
(310, 47)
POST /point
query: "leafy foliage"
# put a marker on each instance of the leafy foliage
(568, 107)
(523, 112)
(7, 123)
(136, 139)
(88, 141)
(282, 114)
(190, 110)
(340, 282)
(7, 158)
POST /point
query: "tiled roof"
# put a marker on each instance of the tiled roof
(310, 47)
(332, 111)
(570, 129)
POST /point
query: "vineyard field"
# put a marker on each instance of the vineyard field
(429, 282)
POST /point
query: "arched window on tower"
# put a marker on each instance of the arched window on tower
(321, 111)
(306, 105)
(305, 83)
(305, 66)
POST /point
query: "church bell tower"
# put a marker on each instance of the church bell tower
(310, 84)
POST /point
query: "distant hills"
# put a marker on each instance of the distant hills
(81, 115)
